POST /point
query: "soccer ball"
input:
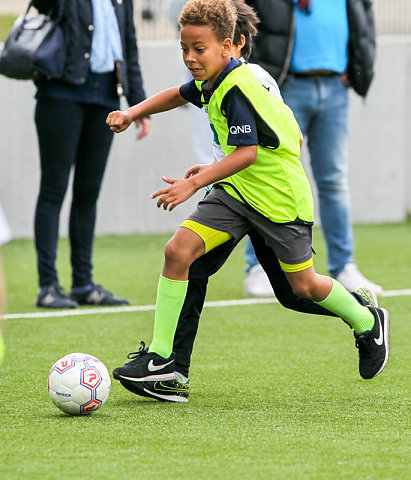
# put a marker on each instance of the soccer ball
(78, 384)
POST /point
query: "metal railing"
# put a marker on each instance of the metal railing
(158, 19)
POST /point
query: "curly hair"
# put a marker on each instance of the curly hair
(219, 15)
(246, 25)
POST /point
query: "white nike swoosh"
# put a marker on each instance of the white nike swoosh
(154, 368)
(380, 339)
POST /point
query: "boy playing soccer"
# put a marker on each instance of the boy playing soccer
(259, 185)
(177, 389)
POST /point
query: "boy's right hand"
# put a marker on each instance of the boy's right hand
(118, 121)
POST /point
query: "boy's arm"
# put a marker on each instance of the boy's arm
(180, 190)
(238, 113)
(162, 102)
(200, 167)
(241, 158)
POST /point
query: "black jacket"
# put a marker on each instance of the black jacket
(273, 46)
(77, 21)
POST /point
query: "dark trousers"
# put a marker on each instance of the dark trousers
(70, 135)
(209, 264)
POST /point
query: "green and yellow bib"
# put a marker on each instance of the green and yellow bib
(276, 184)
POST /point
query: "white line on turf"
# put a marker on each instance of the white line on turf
(147, 308)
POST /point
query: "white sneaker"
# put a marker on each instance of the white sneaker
(256, 283)
(351, 278)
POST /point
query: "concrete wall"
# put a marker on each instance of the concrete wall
(379, 151)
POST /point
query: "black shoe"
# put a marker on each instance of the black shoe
(135, 387)
(146, 366)
(54, 297)
(97, 296)
(373, 345)
(167, 390)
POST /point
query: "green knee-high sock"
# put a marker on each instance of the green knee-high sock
(170, 299)
(343, 304)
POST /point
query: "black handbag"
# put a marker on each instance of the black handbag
(35, 45)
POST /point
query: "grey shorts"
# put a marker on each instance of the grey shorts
(291, 242)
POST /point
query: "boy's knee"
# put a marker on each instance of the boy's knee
(302, 290)
(176, 253)
(171, 251)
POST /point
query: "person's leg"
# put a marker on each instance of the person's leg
(89, 170)
(321, 109)
(320, 105)
(157, 361)
(177, 389)
(292, 246)
(331, 295)
(249, 254)
(189, 243)
(328, 146)
(371, 325)
(187, 326)
(59, 124)
(210, 263)
(283, 290)
(256, 283)
(280, 284)
(91, 160)
(206, 229)
(300, 94)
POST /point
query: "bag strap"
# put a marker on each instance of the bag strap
(46, 19)
(28, 9)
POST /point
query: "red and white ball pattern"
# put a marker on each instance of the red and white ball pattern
(78, 384)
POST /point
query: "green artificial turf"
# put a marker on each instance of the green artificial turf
(274, 394)
(6, 22)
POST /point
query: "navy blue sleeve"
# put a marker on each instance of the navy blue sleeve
(191, 93)
(136, 92)
(241, 121)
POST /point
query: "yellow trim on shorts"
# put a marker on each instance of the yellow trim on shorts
(212, 238)
(297, 267)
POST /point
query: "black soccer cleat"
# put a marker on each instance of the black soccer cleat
(134, 387)
(145, 366)
(167, 390)
(373, 345)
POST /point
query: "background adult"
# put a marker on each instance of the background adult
(101, 65)
(315, 49)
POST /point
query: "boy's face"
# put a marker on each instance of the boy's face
(204, 55)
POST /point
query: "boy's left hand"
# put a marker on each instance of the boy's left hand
(178, 192)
